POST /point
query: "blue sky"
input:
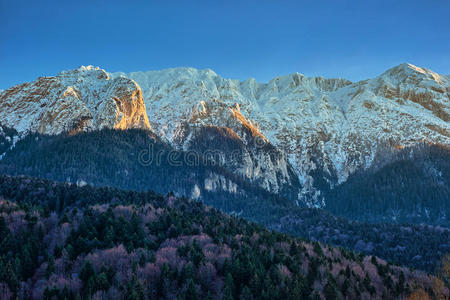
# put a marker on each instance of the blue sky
(237, 39)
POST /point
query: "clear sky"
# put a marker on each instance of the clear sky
(237, 39)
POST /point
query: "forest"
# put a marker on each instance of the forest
(113, 158)
(109, 158)
(412, 186)
(62, 241)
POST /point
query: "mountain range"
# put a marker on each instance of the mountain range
(297, 136)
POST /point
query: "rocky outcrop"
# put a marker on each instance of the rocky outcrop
(223, 135)
(82, 99)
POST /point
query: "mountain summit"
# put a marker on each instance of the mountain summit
(82, 99)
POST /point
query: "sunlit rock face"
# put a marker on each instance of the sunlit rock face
(82, 99)
(326, 128)
(222, 134)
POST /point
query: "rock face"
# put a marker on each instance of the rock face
(82, 99)
(327, 128)
(256, 161)
(225, 136)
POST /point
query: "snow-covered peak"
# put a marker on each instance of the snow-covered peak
(83, 73)
(409, 73)
(88, 68)
(179, 74)
(81, 99)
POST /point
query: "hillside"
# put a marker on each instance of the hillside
(60, 240)
(411, 186)
(110, 158)
(137, 159)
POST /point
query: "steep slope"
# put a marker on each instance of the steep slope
(412, 186)
(328, 128)
(82, 99)
(252, 157)
(63, 241)
(132, 159)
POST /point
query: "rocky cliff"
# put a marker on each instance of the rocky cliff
(82, 99)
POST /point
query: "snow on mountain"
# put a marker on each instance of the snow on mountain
(81, 99)
(328, 128)
(182, 101)
(87, 99)
(8, 139)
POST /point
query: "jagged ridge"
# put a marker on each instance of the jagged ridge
(327, 129)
